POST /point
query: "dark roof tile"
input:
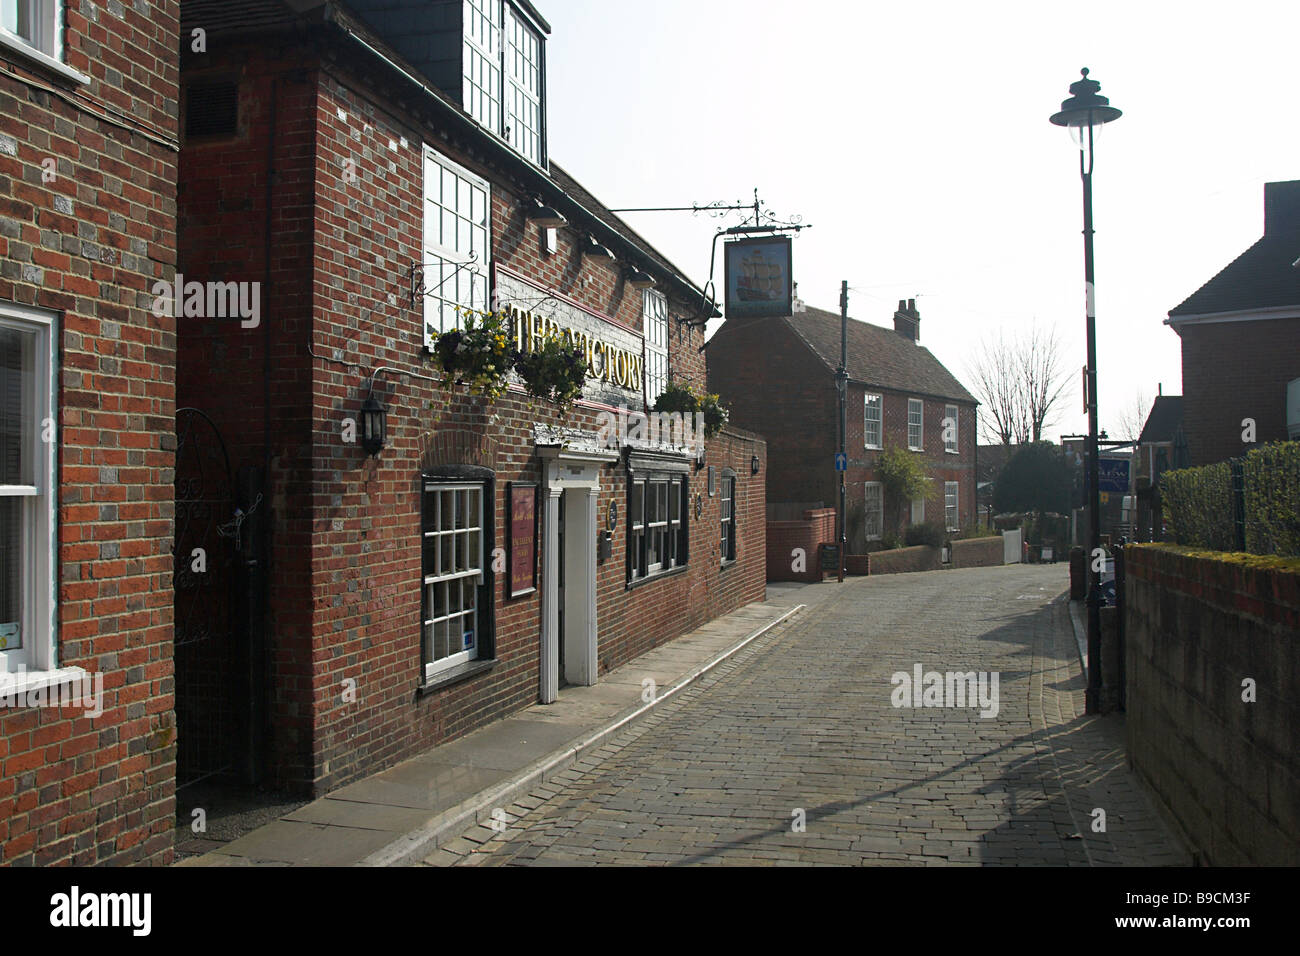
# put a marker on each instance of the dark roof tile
(878, 356)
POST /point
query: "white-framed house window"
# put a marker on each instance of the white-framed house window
(481, 62)
(874, 512)
(873, 420)
(457, 243)
(950, 432)
(37, 23)
(454, 599)
(656, 538)
(728, 511)
(656, 345)
(915, 424)
(503, 69)
(918, 510)
(951, 516)
(28, 372)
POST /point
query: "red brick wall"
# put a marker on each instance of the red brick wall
(943, 465)
(1226, 768)
(784, 538)
(1233, 371)
(977, 553)
(774, 385)
(89, 245)
(346, 546)
(903, 560)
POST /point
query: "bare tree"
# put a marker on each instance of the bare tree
(1132, 418)
(1042, 378)
(1019, 383)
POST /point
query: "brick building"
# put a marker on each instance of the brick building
(1241, 338)
(374, 165)
(88, 154)
(778, 376)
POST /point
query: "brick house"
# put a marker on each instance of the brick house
(375, 165)
(1240, 336)
(88, 153)
(778, 375)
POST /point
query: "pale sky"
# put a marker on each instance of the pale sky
(914, 138)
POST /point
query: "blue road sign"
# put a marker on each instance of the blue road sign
(841, 461)
(1112, 475)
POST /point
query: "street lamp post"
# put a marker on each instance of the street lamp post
(1083, 113)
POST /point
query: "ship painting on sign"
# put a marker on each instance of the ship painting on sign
(761, 280)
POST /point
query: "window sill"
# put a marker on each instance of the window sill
(42, 60)
(914, 448)
(727, 565)
(26, 682)
(455, 675)
(657, 576)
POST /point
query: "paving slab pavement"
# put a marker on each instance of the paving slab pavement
(406, 813)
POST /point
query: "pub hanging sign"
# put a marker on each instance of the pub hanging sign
(759, 277)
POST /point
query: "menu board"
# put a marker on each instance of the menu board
(521, 552)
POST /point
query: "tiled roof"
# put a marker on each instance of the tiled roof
(594, 206)
(1264, 276)
(218, 17)
(1165, 419)
(878, 356)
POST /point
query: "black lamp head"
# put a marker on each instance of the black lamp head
(1086, 106)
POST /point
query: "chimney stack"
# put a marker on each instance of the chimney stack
(907, 321)
(1282, 208)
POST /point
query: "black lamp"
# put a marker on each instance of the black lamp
(595, 250)
(639, 280)
(753, 465)
(374, 426)
(546, 217)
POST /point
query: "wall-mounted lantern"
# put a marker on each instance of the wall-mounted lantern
(753, 465)
(374, 426)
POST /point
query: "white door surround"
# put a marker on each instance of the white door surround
(575, 472)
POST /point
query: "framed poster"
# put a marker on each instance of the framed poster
(521, 528)
(759, 277)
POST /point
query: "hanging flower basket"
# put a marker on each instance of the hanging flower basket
(686, 401)
(477, 354)
(554, 372)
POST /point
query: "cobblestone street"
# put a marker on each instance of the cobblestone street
(791, 752)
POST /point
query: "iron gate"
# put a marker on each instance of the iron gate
(207, 642)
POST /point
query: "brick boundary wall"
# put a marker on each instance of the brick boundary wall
(817, 527)
(1226, 770)
(902, 560)
(977, 553)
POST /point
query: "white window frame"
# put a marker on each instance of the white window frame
(655, 323)
(455, 276)
(502, 79)
(919, 405)
(872, 489)
(869, 402)
(952, 505)
(436, 577)
(951, 411)
(45, 19)
(727, 515)
(523, 77)
(918, 510)
(35, 662)
(481, 62)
